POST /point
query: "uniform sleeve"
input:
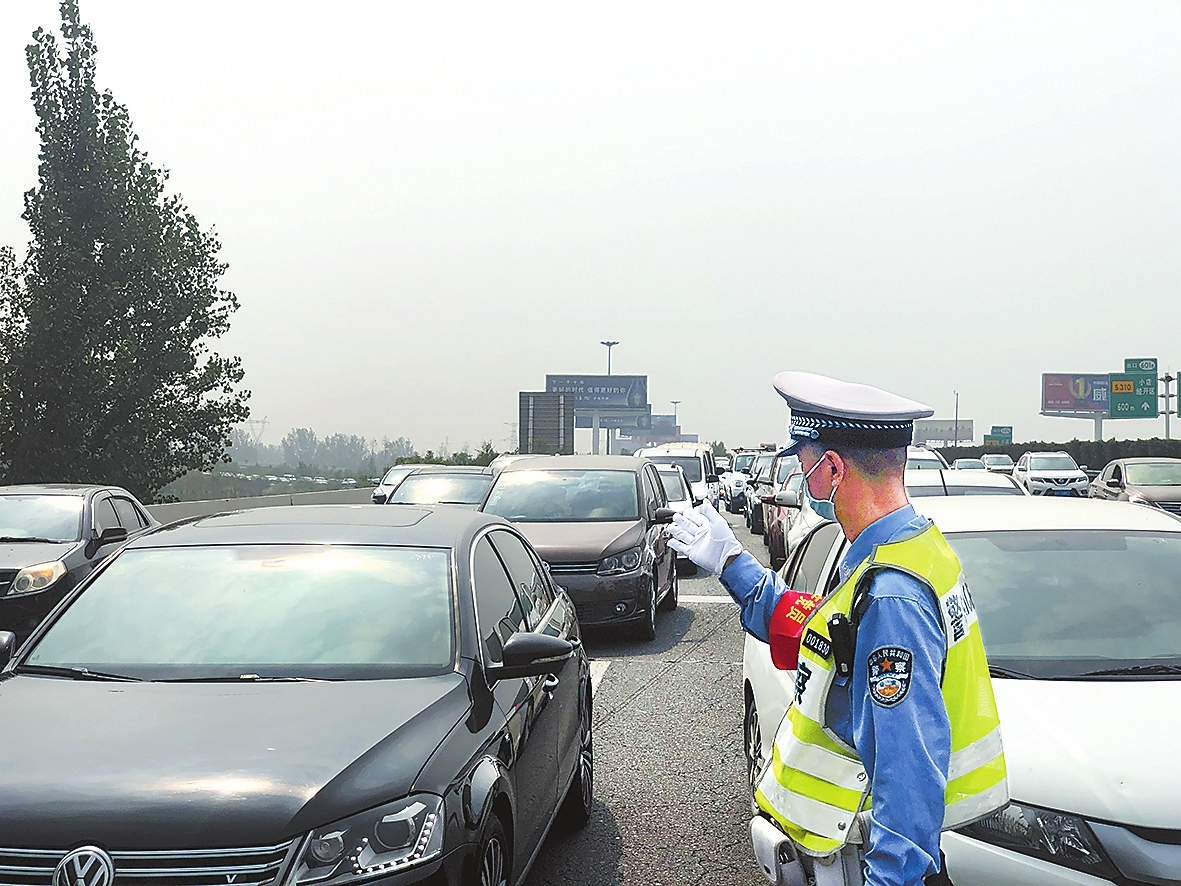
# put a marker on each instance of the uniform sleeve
(757, 591)
(901, 727)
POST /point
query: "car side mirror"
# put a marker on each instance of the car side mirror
(112, 535)
(380, 497)
(1082, 467)
(1113, 483)
(7, 648)
(712, 478)
(663, 515)
(744, 471)
(787, 498)
(530, 655)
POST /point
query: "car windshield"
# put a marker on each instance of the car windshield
(1161, 473)
(41, 517)
(690, 464)
(784, 468)
(1058, 603)
(674, 488)
(313, 611)
(969, 464)
(442, 489)
(761, 464)
(997, 460)
(743, 462)
(564, 496)
(1052, 463)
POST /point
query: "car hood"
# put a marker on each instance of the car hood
(581, 542)
(18, 555)
(1156, 493)
(1069, 747)
(187, 765)
(1057, 475)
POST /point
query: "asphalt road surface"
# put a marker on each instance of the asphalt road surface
(671, 805)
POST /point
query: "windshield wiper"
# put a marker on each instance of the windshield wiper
(248, 678)
(78, 673)
(50, 541)
(998, 671)
(1148, 669)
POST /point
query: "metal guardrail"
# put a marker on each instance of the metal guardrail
(166, 513)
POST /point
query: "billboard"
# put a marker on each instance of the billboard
(943, 430)
(1074, 392)
(637, 421)
(601, 391)
(546, 423)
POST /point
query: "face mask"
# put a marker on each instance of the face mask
(825, 509)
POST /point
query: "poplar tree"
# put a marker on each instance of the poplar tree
(107, 372)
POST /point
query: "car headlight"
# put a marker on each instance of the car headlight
(376, 843)
(617, 563)
(37, 578)
(1057, 837)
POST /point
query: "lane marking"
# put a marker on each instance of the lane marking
(704, 598)
(598, 669)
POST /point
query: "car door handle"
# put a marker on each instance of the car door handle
(550, 684)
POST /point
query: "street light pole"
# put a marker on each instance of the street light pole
(957, 419)
(675, 429)
(609, 345)
(1168, 378)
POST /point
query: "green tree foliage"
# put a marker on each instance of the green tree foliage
(718, 448)
(108, 374)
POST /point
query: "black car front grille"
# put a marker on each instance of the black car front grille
(6, 577)
(253, 866)
(574, 568)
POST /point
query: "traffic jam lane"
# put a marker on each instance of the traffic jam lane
(671, 803)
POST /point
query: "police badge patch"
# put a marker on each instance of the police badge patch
(889, 675)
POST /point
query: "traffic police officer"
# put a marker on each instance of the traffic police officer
(893, 735)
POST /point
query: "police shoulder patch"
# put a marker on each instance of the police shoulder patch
(889, 675)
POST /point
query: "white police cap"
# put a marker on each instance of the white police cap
(835, 413)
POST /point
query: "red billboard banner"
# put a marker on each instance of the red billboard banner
(1074, 392)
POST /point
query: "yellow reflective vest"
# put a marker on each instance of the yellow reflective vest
(815, 784)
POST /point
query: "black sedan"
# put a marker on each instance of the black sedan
(319, 695)
(51, 537)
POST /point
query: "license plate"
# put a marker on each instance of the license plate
(1062, 492)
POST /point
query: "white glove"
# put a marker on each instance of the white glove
(704, 537)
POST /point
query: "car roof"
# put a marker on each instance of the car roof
(449, 469)
(948, 477)
(59, 489)
(1148, 459)
(578, 463)
(408, 525)
(1020, 512)
(676, 447)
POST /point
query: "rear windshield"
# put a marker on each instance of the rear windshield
(564, 496)
(690, 464)
(1154, 474)
(744, 461)
(1059, 602)
(442, 489)
(998, 460)
(317, 611)
(53, 518)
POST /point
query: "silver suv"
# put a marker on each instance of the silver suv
(1051, 473)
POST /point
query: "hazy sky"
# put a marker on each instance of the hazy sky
(426, 207)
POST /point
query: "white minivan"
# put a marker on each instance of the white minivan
(697, 461)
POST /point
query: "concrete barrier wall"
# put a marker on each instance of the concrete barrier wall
(180, 510)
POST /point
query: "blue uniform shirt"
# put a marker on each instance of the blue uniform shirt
(905, 747)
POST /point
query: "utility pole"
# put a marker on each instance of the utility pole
(1168, 378)
(957, 418)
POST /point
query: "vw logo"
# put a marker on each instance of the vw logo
(85, 866)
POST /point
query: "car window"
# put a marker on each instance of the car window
(435, 489)
(1052, 463)
(105, 516)
(812, 559)
(54, 517)
(784, 467)
(652, 490)
(1154, 474)
(128, 515)
(673, 487)
(498, 610)
(557, 496)
(533, 587)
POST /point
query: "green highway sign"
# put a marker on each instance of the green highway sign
(1132, 395)
(1003, 434)
(1140, 364)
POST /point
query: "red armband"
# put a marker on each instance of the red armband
(787, 627)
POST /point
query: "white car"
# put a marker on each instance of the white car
(734, 480)
(920, 458)
(1080, 609)
(697, 461)
(1051, 473)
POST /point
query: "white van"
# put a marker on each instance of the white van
(696, 460)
